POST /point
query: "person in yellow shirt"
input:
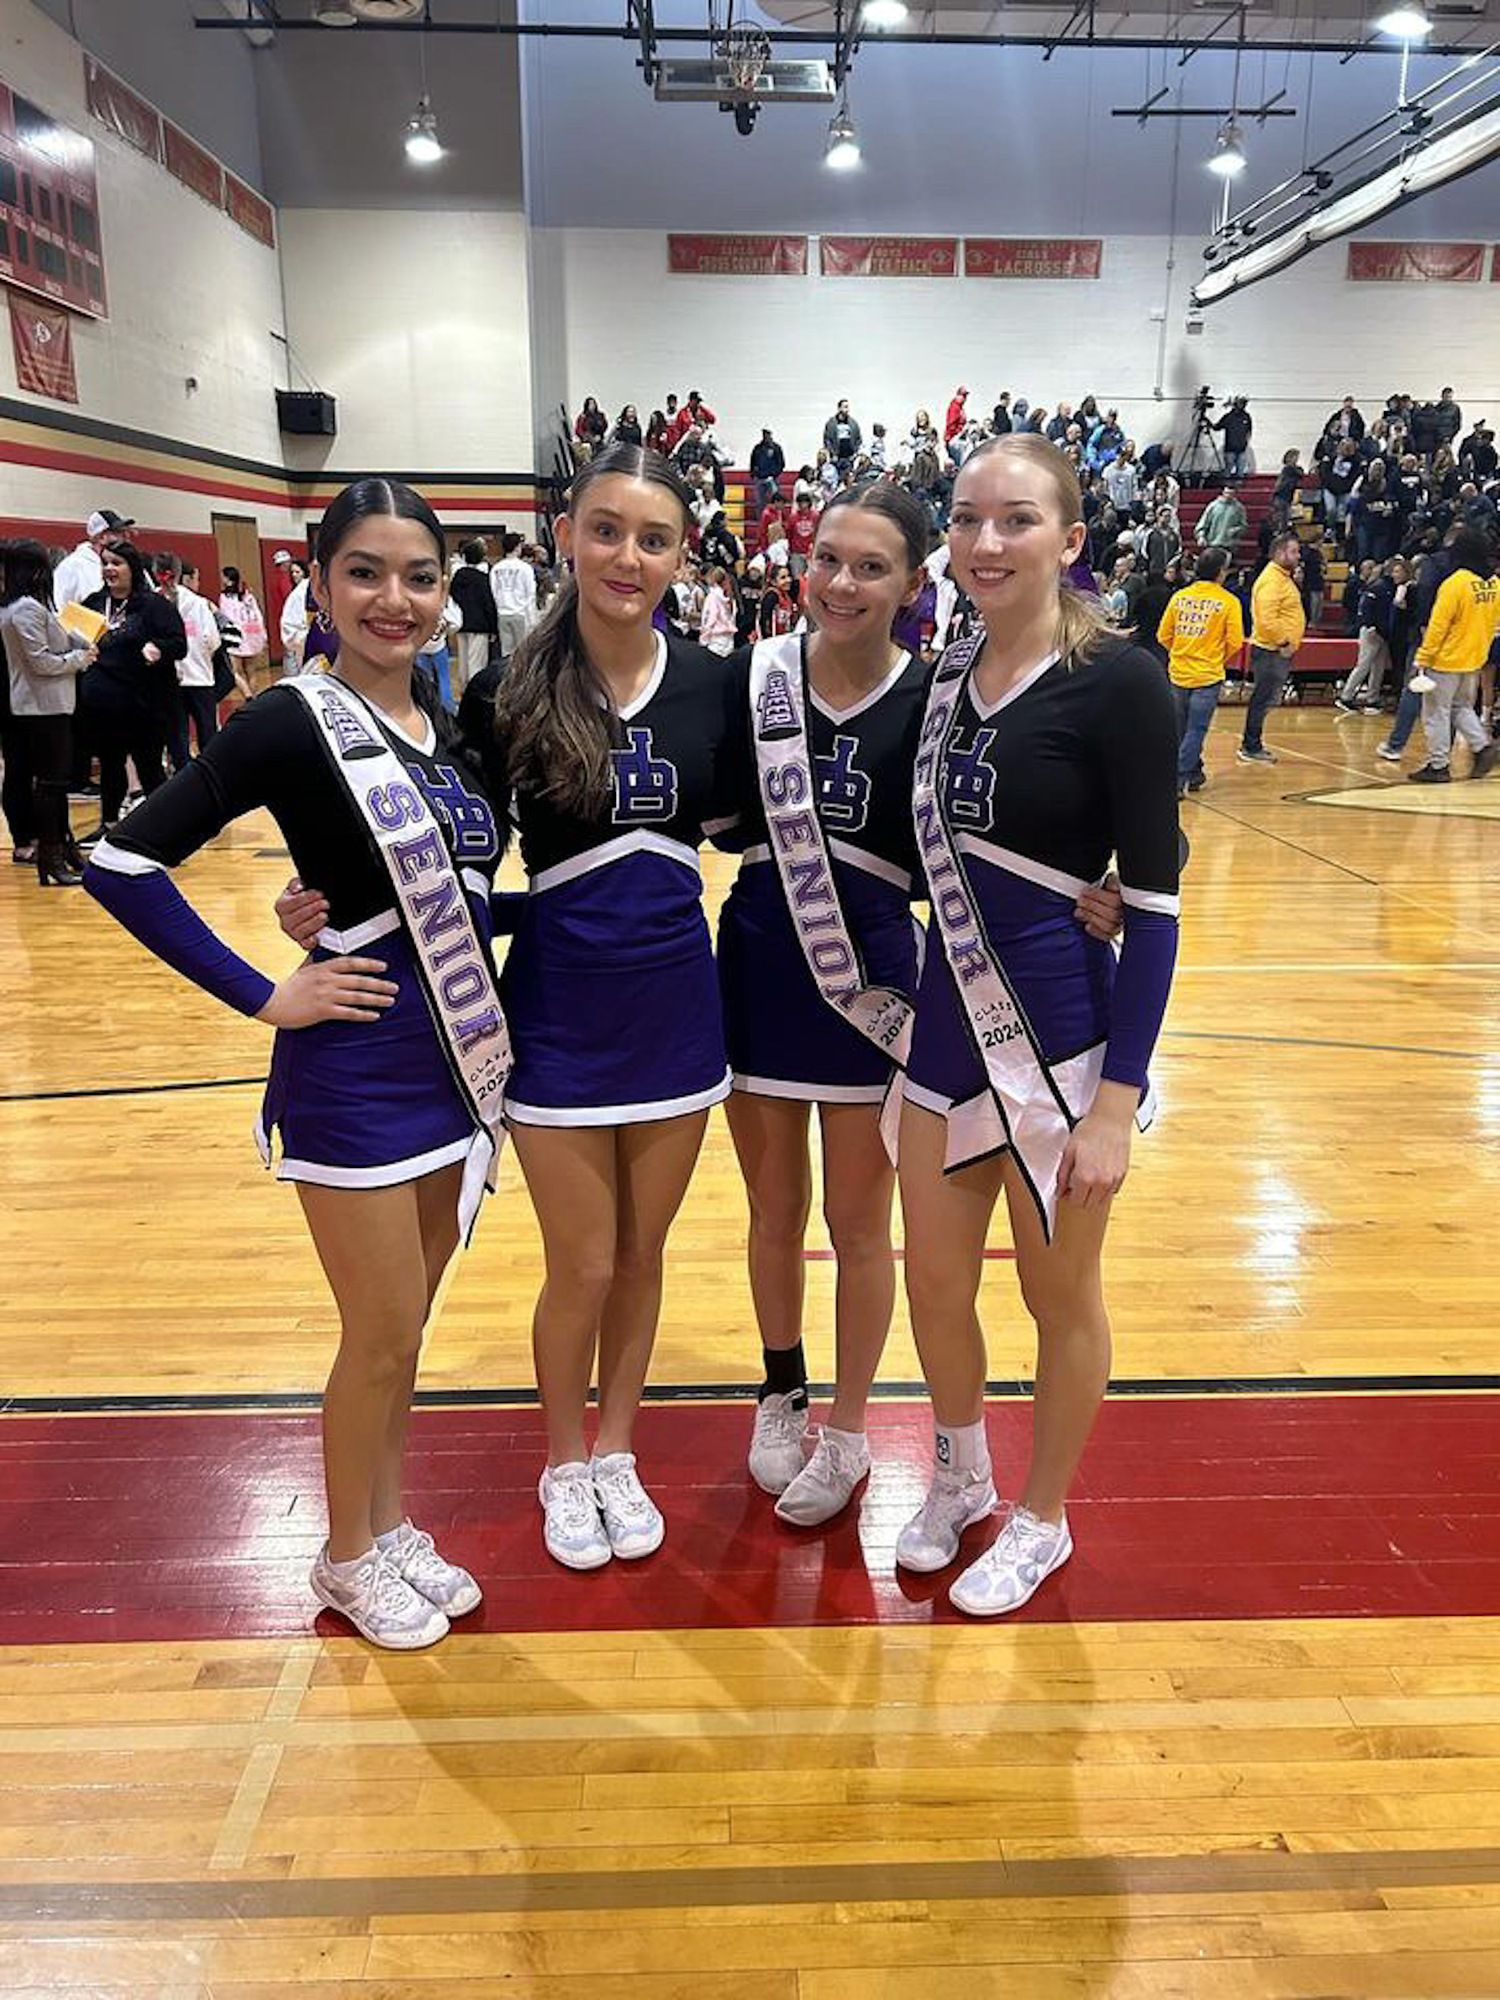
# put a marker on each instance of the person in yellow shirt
(1202, 629)
(1460, 632)
(1277, 623)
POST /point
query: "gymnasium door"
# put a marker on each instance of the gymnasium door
(238, 543)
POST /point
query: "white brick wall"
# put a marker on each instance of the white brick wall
(417, 321)
(781, 350)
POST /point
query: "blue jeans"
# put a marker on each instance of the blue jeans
(1270, 671)
(435, 666)
(1408, 712)
(1236, 463)
(1195, 712)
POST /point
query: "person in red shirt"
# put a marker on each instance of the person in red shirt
(694, 411)
(801, 533)
(957, 416)
(773, 523)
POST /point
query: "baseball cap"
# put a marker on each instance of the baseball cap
(104, 519)
(282, 556)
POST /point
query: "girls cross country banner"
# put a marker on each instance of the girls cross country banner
(737, 256)
(1416, 263)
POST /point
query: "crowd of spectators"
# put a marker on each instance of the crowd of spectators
(1369, 493)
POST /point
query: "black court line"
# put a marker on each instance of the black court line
(210, 1403)
(130, 1089)
(1313, 1042)
(1323, 861)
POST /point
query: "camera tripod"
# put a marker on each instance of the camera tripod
(1201, 441)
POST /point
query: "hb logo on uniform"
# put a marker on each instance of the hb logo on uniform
(645, 786)
(843, 789)
(971, 782)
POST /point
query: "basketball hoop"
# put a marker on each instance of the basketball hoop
(744, 52)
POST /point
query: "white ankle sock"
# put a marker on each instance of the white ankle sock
(854, 1439)
(962, 1448)
(347, 1569)
(391, 1536)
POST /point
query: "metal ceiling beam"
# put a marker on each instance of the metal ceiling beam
(822, 39)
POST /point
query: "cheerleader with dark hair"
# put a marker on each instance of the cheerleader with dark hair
(389, 1064)
(613, 737)
(610, 739)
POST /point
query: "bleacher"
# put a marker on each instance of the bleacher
(1326, 654)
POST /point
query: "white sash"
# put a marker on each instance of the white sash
(1035, 1118)
(454, 968)
(799, 847)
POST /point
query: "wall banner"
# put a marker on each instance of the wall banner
(43, 341)
(737, 256)
(1416, 263)
(1032, 256)
(888, 256)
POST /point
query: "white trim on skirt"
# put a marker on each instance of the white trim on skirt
(810, 1093)
(391, 1174)
(616, 1114)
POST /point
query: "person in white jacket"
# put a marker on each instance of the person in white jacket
(514, 583)
(196, 703)
(81, 574)
(295, 620)
(717, 623)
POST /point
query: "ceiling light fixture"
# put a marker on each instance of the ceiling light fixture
(884, 13)
(1411, 23)
(334, 14)
(1228, 156)
(423, 147)
(842, 150)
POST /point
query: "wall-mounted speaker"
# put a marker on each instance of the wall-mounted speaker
(305, 413)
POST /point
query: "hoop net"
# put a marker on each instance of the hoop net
(744, 52)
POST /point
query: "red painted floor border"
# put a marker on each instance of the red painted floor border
(189, 1526)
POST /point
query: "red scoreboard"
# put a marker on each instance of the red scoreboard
(49, 208)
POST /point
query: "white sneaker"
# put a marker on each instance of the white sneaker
(1384, 750)
(451, 1589)
(776, 1443)
(1012, 1569)
(378, 1602)
(955, 1501)
(825, 1485)
(572, 1529)
(632, 1519)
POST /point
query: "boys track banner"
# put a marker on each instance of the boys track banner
(888, 256)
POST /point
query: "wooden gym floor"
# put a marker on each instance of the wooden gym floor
(1247, 1744)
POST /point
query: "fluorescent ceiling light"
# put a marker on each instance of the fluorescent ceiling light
(1229, 152)
(423, 148)
(1410, 23)
(883, 13)
(842, 151)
